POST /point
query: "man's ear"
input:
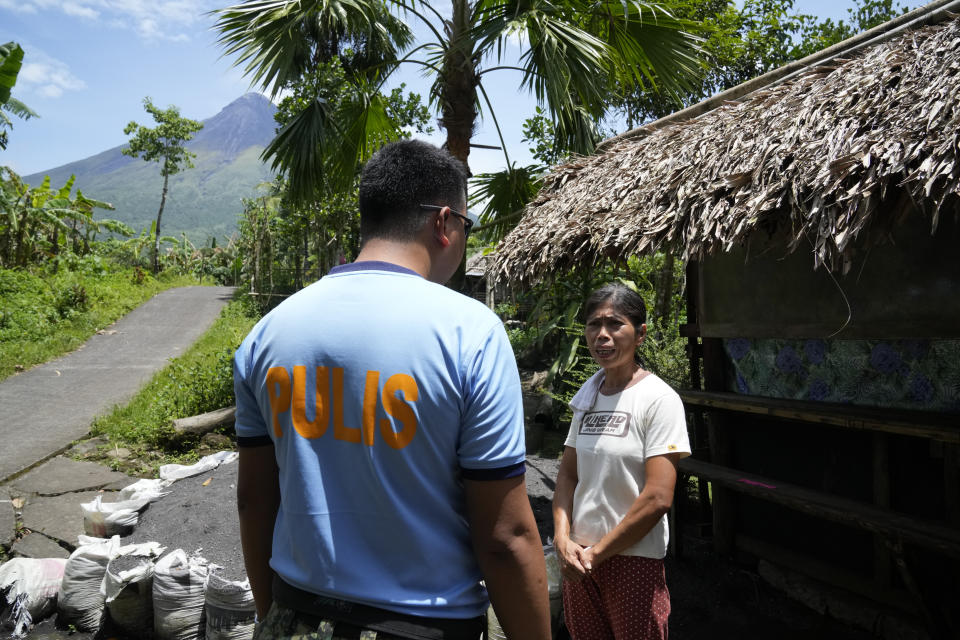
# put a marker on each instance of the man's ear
(440, 228)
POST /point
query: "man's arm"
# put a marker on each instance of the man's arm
(258, 498)
(507, 546)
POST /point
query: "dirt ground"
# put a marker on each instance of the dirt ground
(711, 598)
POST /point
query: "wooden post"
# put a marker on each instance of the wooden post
(951, 483)
(882, 565)
(698, 438)
(721, 443)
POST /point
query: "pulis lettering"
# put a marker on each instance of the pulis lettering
(288, 395)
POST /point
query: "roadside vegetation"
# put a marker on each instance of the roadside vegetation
(200, 380)
(44, 315)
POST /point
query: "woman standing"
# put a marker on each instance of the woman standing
(616, 482)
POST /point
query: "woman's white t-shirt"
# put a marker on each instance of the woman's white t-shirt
(613, 440)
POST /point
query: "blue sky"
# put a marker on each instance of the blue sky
(89, 64)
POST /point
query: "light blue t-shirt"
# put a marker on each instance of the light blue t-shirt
(379, 391)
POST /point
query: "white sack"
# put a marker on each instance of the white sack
(30, 588)
(206, 463)
(80, 602)
(178, 596)
(128, 595)
(230, 608)
(105, 519)
(151, 489)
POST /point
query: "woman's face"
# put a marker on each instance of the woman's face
(612, 338)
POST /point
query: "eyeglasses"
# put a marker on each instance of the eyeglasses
(467, 222)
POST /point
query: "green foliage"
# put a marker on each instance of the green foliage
(166, 144)
(11, 60)
(743, 42)
(42, 225)
(203, 203)
(573, 50)
(545, 326)
(201, 380)
(286, 241)
(45, 313)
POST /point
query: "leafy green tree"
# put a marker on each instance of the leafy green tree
(11, 59)
(165, 144)
(573, 49)
(743, 42)
(286, 243)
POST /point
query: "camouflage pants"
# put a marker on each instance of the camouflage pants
(281, 623)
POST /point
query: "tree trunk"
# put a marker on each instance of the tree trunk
(662, 309)
(458, 92)
(156, 237)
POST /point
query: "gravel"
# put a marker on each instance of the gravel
(712, 598)
(199, 516)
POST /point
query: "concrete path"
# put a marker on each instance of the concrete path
(46, 408)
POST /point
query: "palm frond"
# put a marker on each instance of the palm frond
(298, 150)
(268, 36)
(503, 196)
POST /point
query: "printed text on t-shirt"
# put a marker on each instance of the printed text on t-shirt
(605, 423)
(290, 395)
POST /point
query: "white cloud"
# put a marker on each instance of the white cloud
(48, 78)
(28, 6)
(152, 20)
(74, 9)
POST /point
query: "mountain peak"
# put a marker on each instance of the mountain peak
(245, 122)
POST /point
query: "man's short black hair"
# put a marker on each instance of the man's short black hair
(398, 179)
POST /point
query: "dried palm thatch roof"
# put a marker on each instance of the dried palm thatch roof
(837, 151)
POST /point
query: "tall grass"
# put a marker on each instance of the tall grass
(44, 315)
(200, 380)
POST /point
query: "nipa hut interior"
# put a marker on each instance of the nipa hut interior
(817, 210)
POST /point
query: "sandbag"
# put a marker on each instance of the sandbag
(28, 591)
(554, 586)
(178, 596)
(128, 594)
(230, 609)
(80, 602)
(104, 519)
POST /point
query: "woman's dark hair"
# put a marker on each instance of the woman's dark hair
(624, 300)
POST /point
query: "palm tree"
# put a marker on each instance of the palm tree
(573, 50)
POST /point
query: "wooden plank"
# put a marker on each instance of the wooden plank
(922, 424)
(721, 448)
(882, 564)
(878, 329)
(893, 525)
(689, 330)
(951, 483)
(813, 567)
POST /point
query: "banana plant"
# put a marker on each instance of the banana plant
(11, 59)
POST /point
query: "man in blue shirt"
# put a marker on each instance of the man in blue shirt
(380, 429)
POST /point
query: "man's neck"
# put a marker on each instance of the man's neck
(411, 255)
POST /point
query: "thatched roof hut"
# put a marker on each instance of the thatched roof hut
(825, 402)
(814, 147)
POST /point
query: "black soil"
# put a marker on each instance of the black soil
(711, 597)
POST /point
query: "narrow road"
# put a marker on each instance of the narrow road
(46, 408)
